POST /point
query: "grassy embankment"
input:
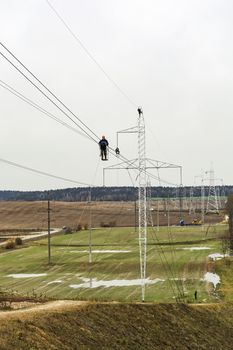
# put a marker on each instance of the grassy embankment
(120, 326)
(180, 271)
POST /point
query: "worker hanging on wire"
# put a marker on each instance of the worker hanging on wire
(103, 143)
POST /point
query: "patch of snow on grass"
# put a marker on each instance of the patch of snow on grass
(57, 281)
(101, 251)
(212, 278)
(195, 248)
(217, 256)
(27, 275)
(94, 283)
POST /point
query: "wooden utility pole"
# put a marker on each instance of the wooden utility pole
(229, 210)
(90, 229)
(135, 215)
(49, 231)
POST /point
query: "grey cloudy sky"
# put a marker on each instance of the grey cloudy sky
(173, 58)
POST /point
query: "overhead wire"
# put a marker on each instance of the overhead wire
(38, 107)
(27, 168)
(112, 151)
(43, 93)
(151, 175)
(85, 207)
(167, 267)
(65, 254)
(164, 261)
(90, 55)
(77, 39)
(41, 172)
(38, 80)
(54, 268)
(96, 139)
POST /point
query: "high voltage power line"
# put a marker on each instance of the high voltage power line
(49, 98)
(42, 172)
(38, 107)
(44, 94)
(91, 56)
(86, 130)
(84, 127)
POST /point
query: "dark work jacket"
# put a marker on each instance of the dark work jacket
(103, 144)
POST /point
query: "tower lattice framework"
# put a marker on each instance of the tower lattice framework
(212, 202)
(142, 205)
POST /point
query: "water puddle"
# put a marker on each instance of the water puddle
(212, 278)
(27, 275)
(94, 283)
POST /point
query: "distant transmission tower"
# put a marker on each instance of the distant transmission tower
(142, 214)
(191, 202)
(212, 201)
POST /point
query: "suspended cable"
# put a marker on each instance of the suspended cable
(38, 107)
(90, 55)
(111, 150)
(42, 172)
(44, 94)
(166, 265)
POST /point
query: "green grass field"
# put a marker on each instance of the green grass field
(177, 259)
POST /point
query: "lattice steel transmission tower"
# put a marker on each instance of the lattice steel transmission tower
(149, 204)
(142, 184)
(141, 166)
(191, 202)
(212, 202)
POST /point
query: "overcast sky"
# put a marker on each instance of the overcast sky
(173, 58)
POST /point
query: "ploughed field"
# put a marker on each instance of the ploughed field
(33, 215)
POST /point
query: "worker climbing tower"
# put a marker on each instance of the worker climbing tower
(142, 205)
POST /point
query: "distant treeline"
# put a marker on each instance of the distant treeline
(79, 194)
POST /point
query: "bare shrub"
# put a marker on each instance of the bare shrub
(18, 241)
(10, 244)
(108, 224)
(104, 224)
(79, 227)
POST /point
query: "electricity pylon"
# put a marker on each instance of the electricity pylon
(212, 202)
(142, 212)
(141, 165)
(191, 202)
